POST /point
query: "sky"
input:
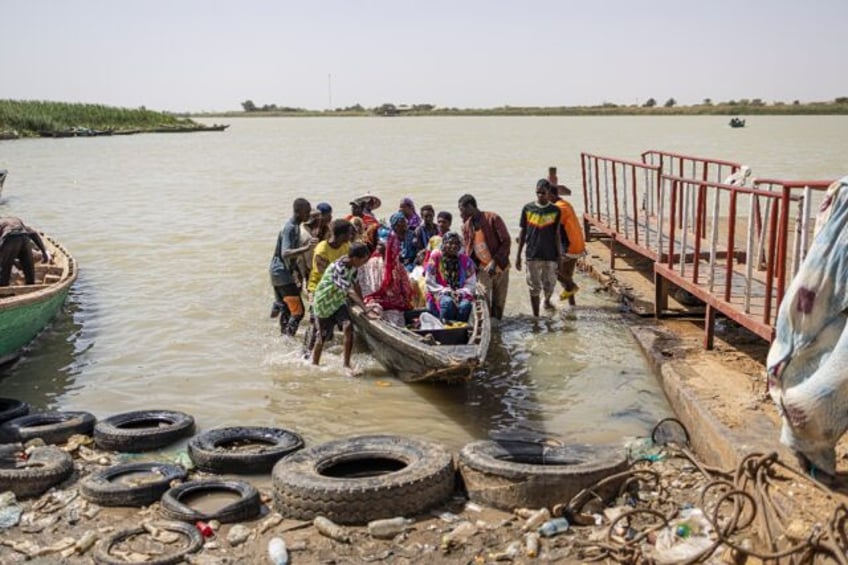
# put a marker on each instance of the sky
(212, 55)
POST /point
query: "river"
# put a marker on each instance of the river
(173, 234)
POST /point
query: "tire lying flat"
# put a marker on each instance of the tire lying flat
(52, 427)
(11, 408)
(356, 480)
(103, 556)
(105, 487)
(248, 506)
(142, 430)
(210, 450)
(45, 467)
(513, 474)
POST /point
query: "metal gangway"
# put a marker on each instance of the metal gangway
(732, 246)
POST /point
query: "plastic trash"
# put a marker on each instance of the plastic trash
(458, 536)
(512, 551)
(685, 538)
(553, 527)
(204, 529)
(277, 551)
(389, 527)
(531, 541)
(330, 529)
(430, 322)
(536, 519)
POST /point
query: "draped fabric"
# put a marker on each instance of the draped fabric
(806, 363)
(395, 292)
(445, 275)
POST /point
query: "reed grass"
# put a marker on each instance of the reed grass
(31, 117)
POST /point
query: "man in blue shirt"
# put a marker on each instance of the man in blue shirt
(285, 278)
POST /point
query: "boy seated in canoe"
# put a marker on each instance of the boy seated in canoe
(330, 301)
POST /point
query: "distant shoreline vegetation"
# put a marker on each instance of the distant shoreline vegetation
(650, 108)
(25, 118)
(28, 118)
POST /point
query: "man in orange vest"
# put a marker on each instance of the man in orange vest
(573, 243)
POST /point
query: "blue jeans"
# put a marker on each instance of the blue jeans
(451, 311)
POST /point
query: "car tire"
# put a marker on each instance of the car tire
(209, 450)
(45, 467)
(514, 474)
(105, 488)
(142, 430)
(103, 556)
(356, 480)
(51, 427)
(11, 408)
(246, 507)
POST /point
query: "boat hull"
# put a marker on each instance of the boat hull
(26, 310)
(413, 358)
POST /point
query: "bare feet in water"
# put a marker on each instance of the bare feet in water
(353, 372)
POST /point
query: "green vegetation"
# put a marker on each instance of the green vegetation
(30, 118)
(650, 107)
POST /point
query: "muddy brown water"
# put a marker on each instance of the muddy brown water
(173, 234)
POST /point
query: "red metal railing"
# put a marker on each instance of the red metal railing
(728, 244)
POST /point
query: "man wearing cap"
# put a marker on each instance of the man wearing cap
(486, 240)
(285, 277)
(326, 212)
(540, 227)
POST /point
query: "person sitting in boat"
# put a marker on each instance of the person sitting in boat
(16, 239)
(407, 207)
(395, 291)
(451, 280)
(330, 302)
(427, 229)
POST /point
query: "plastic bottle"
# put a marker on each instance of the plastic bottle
(531, 541)
(330, 529)
(277, 551)
(459, 535)
(553, 527)
(536, 519)
(388, 528)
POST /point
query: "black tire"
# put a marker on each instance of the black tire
(514, 474)
(11, 409)
(52, 427)
(189, 531)
(356, 480)
(267, 446)
(142, 430)
(44, 468)
(245, 508)
(102, 488)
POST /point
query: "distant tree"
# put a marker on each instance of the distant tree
(744, 102)
(248, 106)
(650, 103)
(386, 109)
(423, 107)
(732, 103)
(757, 102)
(841, 100)
(796, 102)
(707, 102)
(670, 103)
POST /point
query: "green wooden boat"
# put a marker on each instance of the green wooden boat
(25, 310)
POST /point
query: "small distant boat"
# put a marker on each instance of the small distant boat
(450, 354)
(25, 310)
(189, 129)
(737, 123)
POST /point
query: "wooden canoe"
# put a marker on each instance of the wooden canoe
(25, 310)
(417, 355)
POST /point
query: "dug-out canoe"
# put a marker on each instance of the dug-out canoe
(428, 355)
